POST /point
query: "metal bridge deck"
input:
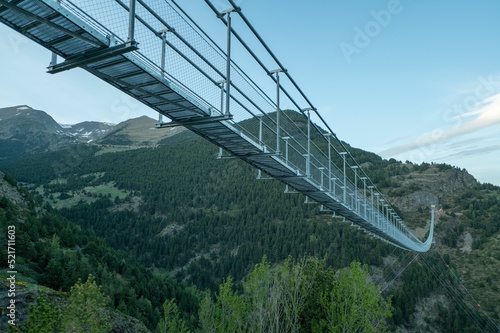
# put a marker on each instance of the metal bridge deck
(75, 37)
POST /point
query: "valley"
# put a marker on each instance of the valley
(166, 201)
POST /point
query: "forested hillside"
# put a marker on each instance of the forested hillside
(55, 253)
(182, 213)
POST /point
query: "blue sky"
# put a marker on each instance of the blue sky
(416, 80)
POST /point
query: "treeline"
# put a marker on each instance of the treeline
(56, 253)
(86, 310)
(481, 207)
(203, 219)
(296, 296)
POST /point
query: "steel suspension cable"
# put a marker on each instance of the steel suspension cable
(452, 291)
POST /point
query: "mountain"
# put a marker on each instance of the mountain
(137, 132)
(24, 131)
(87, 131)
(175, 207)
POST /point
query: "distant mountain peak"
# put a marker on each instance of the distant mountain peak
(24, 130)
(140, 131)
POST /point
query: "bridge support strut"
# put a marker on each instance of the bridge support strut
(131, 21)
(228, 58)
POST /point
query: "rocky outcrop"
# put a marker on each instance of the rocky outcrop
(419, 190)
(10, 192)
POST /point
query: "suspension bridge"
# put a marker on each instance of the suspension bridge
(153, 51)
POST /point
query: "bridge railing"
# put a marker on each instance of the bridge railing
(174, 46)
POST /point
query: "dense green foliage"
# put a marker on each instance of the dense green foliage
(57, 253)
(208, 222)
(86, 312)
(481, 208)
(205, 222)
(302, 296)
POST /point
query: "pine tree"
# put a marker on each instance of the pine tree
(44, 317)
(87, 309)
(172, 321)
(353, 305)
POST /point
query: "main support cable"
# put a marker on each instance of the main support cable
(249, 50)
(221, 52)
(247, 22)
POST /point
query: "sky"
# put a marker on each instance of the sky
(411, 80)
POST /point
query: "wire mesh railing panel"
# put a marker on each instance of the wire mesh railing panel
(108, 14)
(296, 159)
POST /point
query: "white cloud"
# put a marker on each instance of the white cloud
(470, 140)
(485, 115)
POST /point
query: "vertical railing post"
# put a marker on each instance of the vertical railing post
(391, 224)
(260, 131)
(286, 138)
(389, 221)
(345, 177)
(308, 165)
(163, 35)
(381, 215)
(328, 136)
(364, 192)
(131, 21)
(228, 60)
(278, 110)
(221, 85)
(355, 168)
(334, 186)
(396, 226)
(371, 196)
(322, 172)
(259, 172)
(387, 217)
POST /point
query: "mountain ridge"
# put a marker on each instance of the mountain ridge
(25, 130)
